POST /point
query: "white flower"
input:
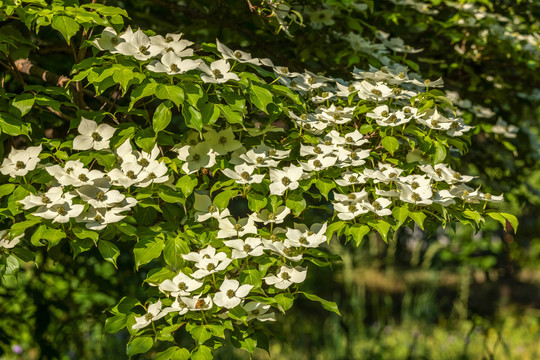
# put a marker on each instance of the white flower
(208, 261)
(441, 172)
(170, 44)
(258, 311)
(252, 246)
(236, 55)
(336, 115)
(267, 217)
(197, 304)
(153, 173)
(355, 138)
(502, 127)
(279, 248)
(420, 195)
(173, 64)
(217, 72)
(229, 227)
(285, 179)
(108, 41)
(286, 276)
(243, 174)
(222, 142)
(153, 313)
(93, 136)
(378, 92)
(136, 44)
(74, 173)
(387, 173)
(379, 206)
(231, 293)
(100, 197)
(97, 219)
(348, 211)
(206, 209)
(49, 198)
(197, 157)
(6, 242)
(302, 236)
(128, 174)
(20, 162)
(180, 285)
(60, 212)
(434, 120)
(350, 178)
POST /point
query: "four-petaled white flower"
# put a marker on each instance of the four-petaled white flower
(153, 313)
(285, 179)
(7, 242)
(180, 285)
(20, 162)
(93, 136)
(217, 72)
(231, 293)
(286, 276)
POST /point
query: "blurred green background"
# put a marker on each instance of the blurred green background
(448, 295)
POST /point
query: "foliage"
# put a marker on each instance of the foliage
(217, 177)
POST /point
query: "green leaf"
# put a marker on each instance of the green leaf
(209, 113)
(512, 219)
(284, 300)
(66, 25)
(170, 92)
(358, 232)
(440, 153)
(260, 97)
(400, 214)
(139, 345)
(23, 103)
(13, 126)
(391, 144)
(174, 248)
(173, 353)
(80, 245)
(199, 333)
(53, 236)
(186, 184)
(252, 277)
(171, 196)
(23, 254)
(82, 233)
(148, 249)
(232, 117)
(418, 218)
(256, 202)
(327, 305)
(115, 323)
(202, 353)
(109, 251)
(335, 228)
(162, 116)
(324, 186)
(382, 228)
(222, 199)
(475, 215)
(6, 189)
(296, 203)
(141, 91)
(192, 117)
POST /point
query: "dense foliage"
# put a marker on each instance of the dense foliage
(190, 186)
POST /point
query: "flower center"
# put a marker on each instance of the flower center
(61, 210)
(98, 218)
(223, 140)
(182, 286)
(114, 40)
(324, 94)
(439, 172)
(212, 209)
(352, 208)
(376, 92)
(247, 248)
(217, 74)
(271, 216)
(245, 175)
(143, 162)
(173, 67)
(349, 139)
(317, 150)
(376, 205)
(168, 39)
(457, 176)
(286, 181)
(415, 185)
(260, 160)
(151, 176)
(237, 54)
(284, 70)
(69, 170)
(328, 142)
(238, 227)
(196, 157)
(100, 196)
(142, 49)
(393, 119)
(384, 113)
(130, 174)
(352, 196)
(272, 152)
(337, 117)
(407, 110)
(210, 267)
(352, 88)
(200, 303)
(83, 177)
(397, 90)
(353, 156)
(401, 75)
(285, 276)
(303, 240)
(148, 317)
(317, 164)
(487, 196)
(45, 199)
(434, 122)
(19, 165)
(230, 294)
(255, 312)
(415, 196)
(352, 179)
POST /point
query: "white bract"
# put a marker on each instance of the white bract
(217, 72)
(286, 276)
(231, 293)
(20, 162)
(93, 136)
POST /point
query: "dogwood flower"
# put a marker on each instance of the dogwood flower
(61, 212)
(173, 64)
(100, 197)
(6, 242)
(153, 313)
(207, 261)
(252, 246)
(108, 40)
(350, 178)
(243, 174)
(74, 173)
(51, 197)
(205, 209)
(229, 227)
(197, 157)
(20, 162)
(236, 55)
(136, 44)
(231, 293)
(258, 311)
(302, 236)
(285, 179)
(93, 136)
(98, 219)
(180, 285)
(170, 43)
(267, 217)
(195, 303)
(286, 276)
(281, 249)
(217, 72)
